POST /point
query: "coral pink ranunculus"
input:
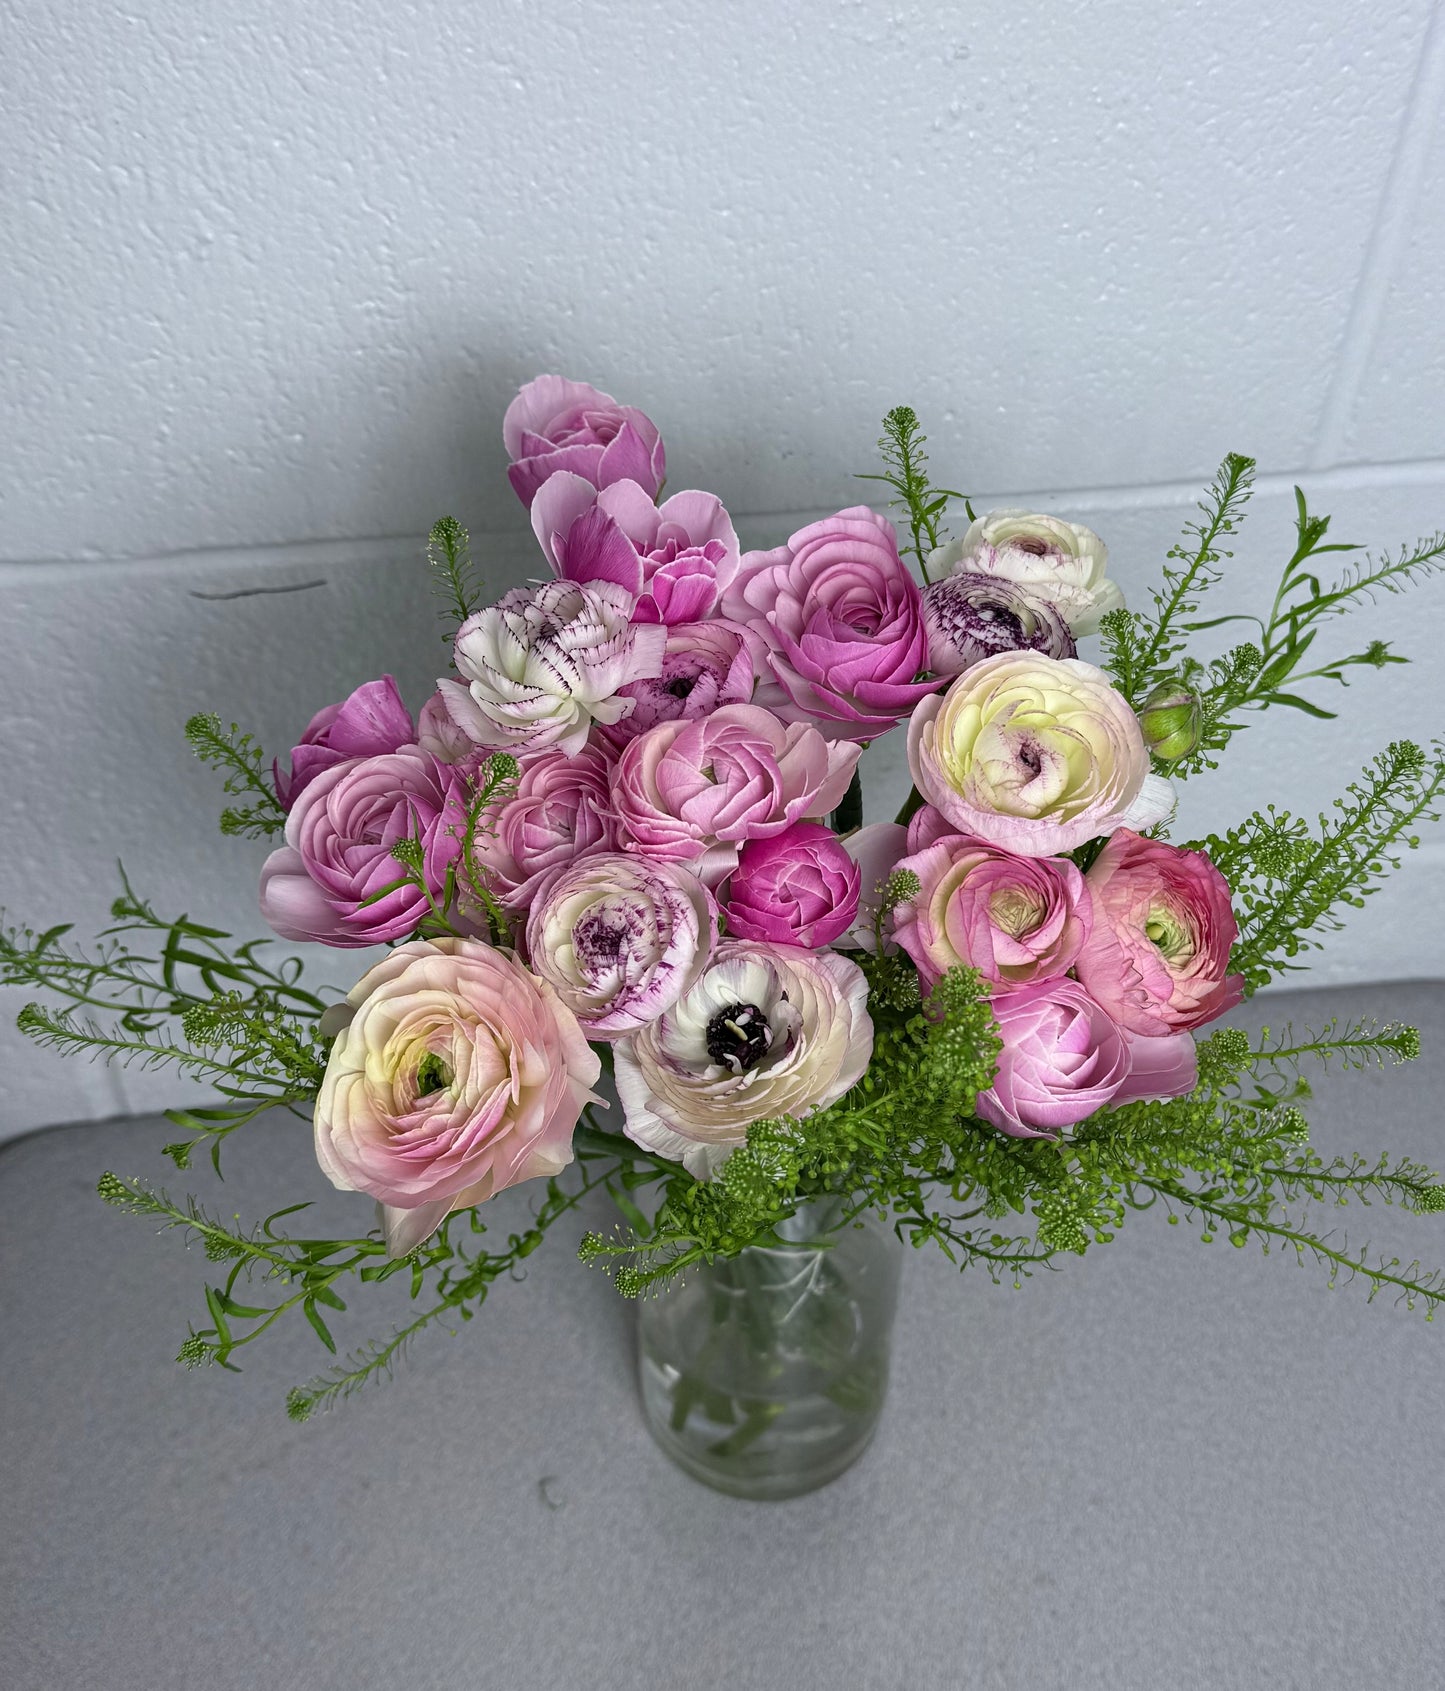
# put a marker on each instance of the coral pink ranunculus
(707, 664)
(838, 625)
(798, 888)
(457, 1074)
(1158, 957)
(367, 722)
(559, 811)
(555, 424)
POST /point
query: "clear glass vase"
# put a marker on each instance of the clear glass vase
(764, 1375)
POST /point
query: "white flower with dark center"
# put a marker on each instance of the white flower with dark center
(767, 1032)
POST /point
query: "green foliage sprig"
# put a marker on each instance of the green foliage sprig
(454, 575)
(241, 758)
(906, 472)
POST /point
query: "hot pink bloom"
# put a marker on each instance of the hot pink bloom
(555, 424)
(798, 888)
(1158, 958)
(367, 722)
(1014, 919)
(692, 792)
(457, 1075)
(675, 559)
(838, 626)
(707, 664)
(337, 854)
(559, 811)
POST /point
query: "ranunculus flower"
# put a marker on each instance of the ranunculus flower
(877, 849)
(1014, 919)
(458, 1074)
(767, 1031)
(438, 734)
(367, 722)
(1035, 754)
(837, 623)
(1158, 957)
(798, 888)
(707, 664)
(555, 424)
(692, 792)
(1064, 563)
(1064, 1057)
(675, 559)
(621, 939)
(323, 883)
(546, 663)
(559, 811)
(970, 617)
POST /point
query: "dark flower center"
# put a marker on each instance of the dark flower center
(738, 1037)
(432, 1075)
(681, 687)
(1032, 545)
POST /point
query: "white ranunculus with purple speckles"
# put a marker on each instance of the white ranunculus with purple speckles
(539, 668)
(620, 939)
(970, 617)
(1063, 562)
(768, 1031)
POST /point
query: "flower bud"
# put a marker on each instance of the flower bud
(1171, 720)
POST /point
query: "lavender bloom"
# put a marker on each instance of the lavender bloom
(970, 617)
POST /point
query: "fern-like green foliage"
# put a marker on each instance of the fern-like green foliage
(242, 760)
(905, 470)
(454, 575)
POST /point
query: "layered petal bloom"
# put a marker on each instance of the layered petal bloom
(555, 424)
(706, 664)
(559, 811)
(767, 1031)
(542, 666)
(366, 723)
(838, 627)
(1035, 754)
(621, 939)
(970, 617)
(693, 792)
(1163, 929)
(799, 887)
(1064, 1057)
(1014, 919)
(438, 734)
(675, 559)
(323, 883)
(457, 1074)
(1063, 563)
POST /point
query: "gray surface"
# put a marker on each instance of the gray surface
(1168, 1465)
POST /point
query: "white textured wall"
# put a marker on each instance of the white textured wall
(271, 272)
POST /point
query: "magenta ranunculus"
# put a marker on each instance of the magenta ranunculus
(707, 664)
(693, 792)
(798, 888)
(555, 424)
(1064, 1057)
(675, 559)
(559, 811)
(367, 722)
(838, 625)
(337, 854)
(1158, 958)
(1014, 919)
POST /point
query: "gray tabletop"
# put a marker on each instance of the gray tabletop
(1167, 1465)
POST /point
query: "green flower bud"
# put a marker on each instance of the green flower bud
(1171, 720)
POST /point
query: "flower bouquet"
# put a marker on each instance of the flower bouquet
(639, 943)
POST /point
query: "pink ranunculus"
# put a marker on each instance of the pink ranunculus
(1015, 919)
(693, 792)
(456, 1075)
(838, 626)
(707, 664)
(555, 424)
(927, 825)
(675, 559)
(323, 883)
(367, 722)
(1158, 958)
(798, 888)
(877, 850)
(438, 734)
(560, 810)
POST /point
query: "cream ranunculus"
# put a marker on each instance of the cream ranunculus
(1065, 563)
(1035, 754)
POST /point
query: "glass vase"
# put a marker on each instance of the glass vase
(764, 1375)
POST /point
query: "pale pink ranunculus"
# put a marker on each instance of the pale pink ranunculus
(457, 1074)
(693, 792)
(837, 624)
(675, 559)
(558, 811)
(768, 1031)
(1014, 919)
(620, 939)
(438, 734)
(798, 888)
(367, 722)
(927, 825)
(555, 424)
(1158, 957)
(707, 664)
(1035, 754)
(1064, 1057)
(335, 880)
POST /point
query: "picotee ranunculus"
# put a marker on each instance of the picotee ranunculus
(366, 723)
(457, 1074)
(706, 664)
(1064, 563)
(555, 424)
(767, 1031)
(798, 888)
(970, 617)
